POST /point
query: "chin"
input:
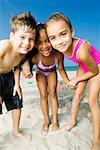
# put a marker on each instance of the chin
(63, 50)
(47, 55)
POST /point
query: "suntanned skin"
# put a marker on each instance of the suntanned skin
(12, 51)
(61, 36)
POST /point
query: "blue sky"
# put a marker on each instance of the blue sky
(84, 15)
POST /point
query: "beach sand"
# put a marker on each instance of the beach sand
(79, 138)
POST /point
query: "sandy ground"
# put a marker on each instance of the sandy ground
(79, 138)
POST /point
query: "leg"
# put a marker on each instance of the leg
(93, 98)
(52, 85)
(15, 104)
(42, 85)
(16, 114)
(77, 98)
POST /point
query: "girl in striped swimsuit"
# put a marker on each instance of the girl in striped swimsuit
(45, 61)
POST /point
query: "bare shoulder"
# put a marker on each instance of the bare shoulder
(5, 45)
(84, 51)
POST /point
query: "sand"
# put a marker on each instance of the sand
(79, 138)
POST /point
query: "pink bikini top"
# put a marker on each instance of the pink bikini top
(43, 67)
(94, 53)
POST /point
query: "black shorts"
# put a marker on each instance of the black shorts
(6, 92)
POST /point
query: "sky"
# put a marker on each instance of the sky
(83, 14)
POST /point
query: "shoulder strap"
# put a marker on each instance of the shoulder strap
(79, 44)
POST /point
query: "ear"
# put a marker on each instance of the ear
(73, 31)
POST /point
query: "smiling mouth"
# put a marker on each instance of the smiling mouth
(25, 49)
(46, 52)
(61, 47)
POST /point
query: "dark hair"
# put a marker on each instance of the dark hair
(34, 51)
(39, 27)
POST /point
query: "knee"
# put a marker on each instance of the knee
(93, 101)
(44, 94)
(52, 93)
(78, 96)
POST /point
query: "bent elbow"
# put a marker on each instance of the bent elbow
(96, 72)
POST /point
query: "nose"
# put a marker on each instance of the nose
(44, 45)
(26, 41)
(59, 41)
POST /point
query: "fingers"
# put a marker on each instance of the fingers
(19, 93)
(14, 92)
(29, 75)
(72, 87)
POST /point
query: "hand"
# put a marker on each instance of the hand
(17, 89)
(72, 83)
(27, 74)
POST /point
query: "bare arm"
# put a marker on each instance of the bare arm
(27, 72)
(61, 68)
(85, 57)
(17, 88)
(26, 69)
(4, 46)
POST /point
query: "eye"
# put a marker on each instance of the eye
(63, 33)
(51, 38)
(47, 41)
(22, 37)
(32, 39)
(38, 42)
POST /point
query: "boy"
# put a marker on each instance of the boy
(12, 51)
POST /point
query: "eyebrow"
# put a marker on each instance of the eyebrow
(59, 33)
(51, 36)
(63, 31)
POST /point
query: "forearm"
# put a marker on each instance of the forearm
(17, 88)
(1, 63)
(27, 69)
(85, 76)
(64, 75)
(17, 76)
(26, 65)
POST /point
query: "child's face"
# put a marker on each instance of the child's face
(23, 40)
(60, 35)
(43, 45)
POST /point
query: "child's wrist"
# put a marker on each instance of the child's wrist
(66, 81)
